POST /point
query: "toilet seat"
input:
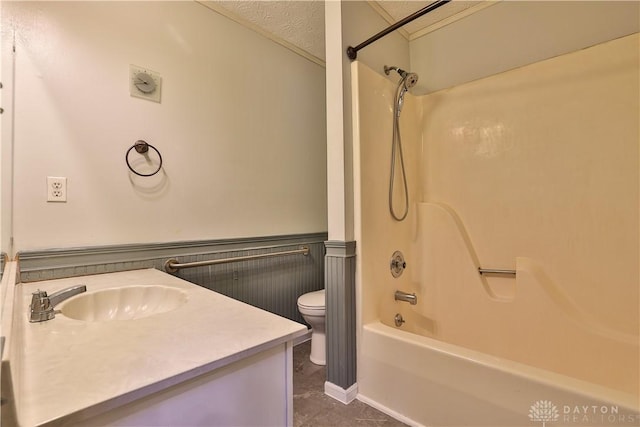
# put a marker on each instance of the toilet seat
(312, 301)
(312, 308)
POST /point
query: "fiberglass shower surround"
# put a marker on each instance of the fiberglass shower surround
(537, 334)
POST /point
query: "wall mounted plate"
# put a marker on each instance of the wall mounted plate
(144, 83)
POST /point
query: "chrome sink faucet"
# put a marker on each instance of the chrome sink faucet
(42, 305)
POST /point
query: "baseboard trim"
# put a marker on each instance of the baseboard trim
(341, 395)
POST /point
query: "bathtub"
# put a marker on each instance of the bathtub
(423, 381)
(478, 351)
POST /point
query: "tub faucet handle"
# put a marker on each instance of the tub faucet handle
(398, 264)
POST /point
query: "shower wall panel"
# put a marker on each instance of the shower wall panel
(378, 235)
(542, 162)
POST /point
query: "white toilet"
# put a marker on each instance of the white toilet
(312, 309)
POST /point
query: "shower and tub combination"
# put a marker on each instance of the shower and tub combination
(516, 303)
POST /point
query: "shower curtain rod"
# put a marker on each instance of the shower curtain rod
(352, 52)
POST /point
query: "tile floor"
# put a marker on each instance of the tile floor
(313, 408)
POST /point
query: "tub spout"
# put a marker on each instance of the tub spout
(404, 296)
(42, 305)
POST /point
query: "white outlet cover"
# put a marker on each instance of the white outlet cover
(57, 189)
(154, 96)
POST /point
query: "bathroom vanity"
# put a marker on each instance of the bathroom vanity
(189, 357)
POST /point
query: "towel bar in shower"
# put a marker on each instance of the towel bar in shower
(494, 271)
(172, 265)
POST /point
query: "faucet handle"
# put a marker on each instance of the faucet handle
(39, 301)
(40, 307)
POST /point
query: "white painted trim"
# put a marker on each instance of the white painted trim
(453, 18)
(385, 15)
(228, 14)
(345, 396)
(442, 23)
(335, 83)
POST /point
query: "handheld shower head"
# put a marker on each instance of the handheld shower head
(409, 79)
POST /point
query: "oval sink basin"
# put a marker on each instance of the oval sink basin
(125, 303)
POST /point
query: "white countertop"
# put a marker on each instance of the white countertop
(71, 366)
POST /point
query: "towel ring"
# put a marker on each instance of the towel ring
(142, 147)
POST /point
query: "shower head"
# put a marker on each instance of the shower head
(409, 79)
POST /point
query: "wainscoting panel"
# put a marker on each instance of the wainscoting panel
(273, 284)
(341, 313)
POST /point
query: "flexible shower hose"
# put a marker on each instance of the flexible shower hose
(396, 144)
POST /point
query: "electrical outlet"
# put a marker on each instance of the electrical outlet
(56, 189)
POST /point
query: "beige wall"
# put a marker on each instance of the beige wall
(241, 126)
(511, 34)
(5, 138)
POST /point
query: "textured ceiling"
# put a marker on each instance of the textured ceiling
(301, 23)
